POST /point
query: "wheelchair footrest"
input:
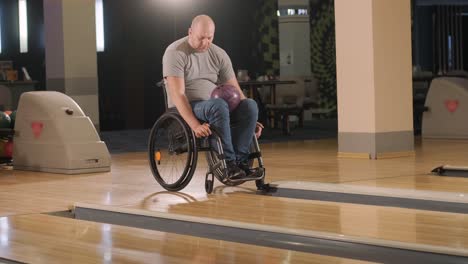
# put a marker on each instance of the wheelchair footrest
(267, 189)
(249, 178)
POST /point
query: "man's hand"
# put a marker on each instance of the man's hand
(202, 130)
(258, 129)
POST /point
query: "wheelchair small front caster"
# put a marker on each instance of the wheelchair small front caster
(266, 188)
(439, 170)
(209, 183)
(260, 184)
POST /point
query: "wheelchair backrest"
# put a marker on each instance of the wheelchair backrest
(162, 85)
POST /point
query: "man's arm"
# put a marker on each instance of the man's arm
(259, 127)
(176, 88)
(233, 82)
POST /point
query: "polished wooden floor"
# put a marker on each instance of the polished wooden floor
(375, 222)
(24, 234)
(48, 239)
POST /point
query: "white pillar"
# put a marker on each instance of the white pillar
(70, 51)
(373, 58)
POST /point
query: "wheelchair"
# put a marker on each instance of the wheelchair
(173, 154)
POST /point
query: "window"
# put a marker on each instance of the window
(292, 11)
(302, 12)
(23, 25)
(450, 51)
(99, 26)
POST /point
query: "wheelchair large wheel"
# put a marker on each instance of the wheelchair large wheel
(172, 152)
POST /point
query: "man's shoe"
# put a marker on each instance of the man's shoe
(234, 173)
(249, 172)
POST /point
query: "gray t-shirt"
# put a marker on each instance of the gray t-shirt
(202, 71)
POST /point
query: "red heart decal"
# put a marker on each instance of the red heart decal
(451, 105)
(9, 149)
(37, 128)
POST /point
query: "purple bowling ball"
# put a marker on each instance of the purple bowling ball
(229, 94)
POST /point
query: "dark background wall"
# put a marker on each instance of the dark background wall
(425, 38)
(465, 41)
(422, 28)
(137, 33)
(34, 59)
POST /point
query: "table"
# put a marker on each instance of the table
(252, 87)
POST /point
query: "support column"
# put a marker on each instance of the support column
(374, 77)
(70, 51)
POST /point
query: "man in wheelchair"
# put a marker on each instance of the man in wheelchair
(192, 68)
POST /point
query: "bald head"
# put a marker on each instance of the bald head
(202, 21)
(201, 33)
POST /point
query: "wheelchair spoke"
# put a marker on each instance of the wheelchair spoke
(170, 140)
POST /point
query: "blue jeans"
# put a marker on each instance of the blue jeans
(236, 129)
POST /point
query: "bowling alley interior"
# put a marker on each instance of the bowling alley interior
(235, 131)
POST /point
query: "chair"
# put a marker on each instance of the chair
(289, 102)
(5, 98)
(311, 99)
(311, 93)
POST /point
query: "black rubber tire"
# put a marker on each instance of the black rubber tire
(192, 154)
